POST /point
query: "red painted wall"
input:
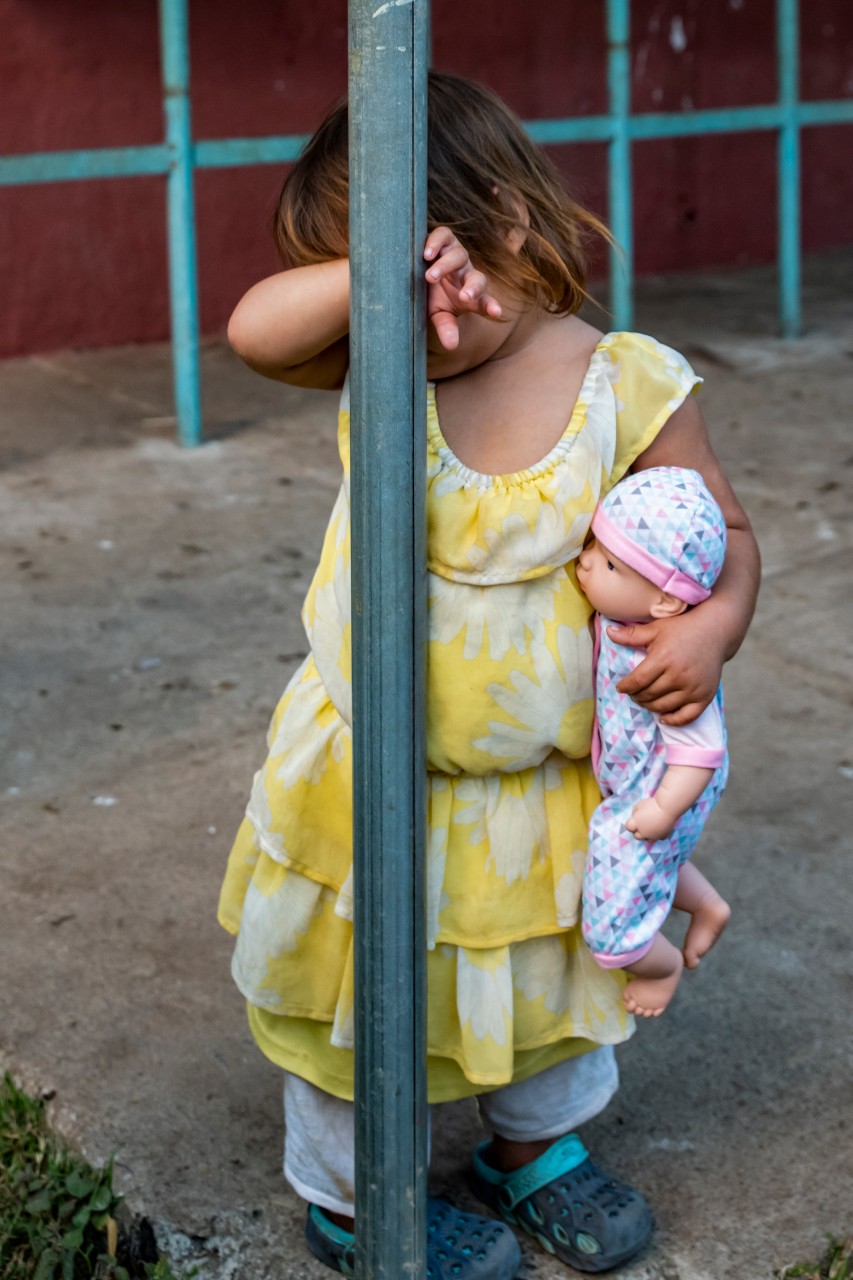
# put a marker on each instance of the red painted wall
(84, 264)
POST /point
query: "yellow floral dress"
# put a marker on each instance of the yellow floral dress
(512, 987)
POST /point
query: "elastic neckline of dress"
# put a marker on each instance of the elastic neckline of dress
(562, 446)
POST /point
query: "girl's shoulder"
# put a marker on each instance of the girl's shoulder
(649, 381)
(639, 355)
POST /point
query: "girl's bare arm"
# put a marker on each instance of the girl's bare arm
(294, 326)
(680, 673)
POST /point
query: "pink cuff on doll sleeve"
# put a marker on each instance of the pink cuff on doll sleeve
(625, 960)
(697, 757)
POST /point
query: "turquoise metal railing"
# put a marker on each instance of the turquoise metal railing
(179, 156)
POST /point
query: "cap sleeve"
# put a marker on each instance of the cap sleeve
(649, 381)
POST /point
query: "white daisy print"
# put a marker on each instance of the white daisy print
(259, 813)
(484, 997)
(270, 927)
(504, 614)
(331, 616)
(539, 705)
(516, 549)
(437, 899)
(539, 969)
(567, 894)
(510, 819)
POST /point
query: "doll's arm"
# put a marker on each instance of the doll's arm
(692, 753)
(684, 656)
(680, 787)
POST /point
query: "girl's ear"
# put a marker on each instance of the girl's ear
(667, 606)
(517, 208)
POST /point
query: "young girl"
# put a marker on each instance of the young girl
(533, 415)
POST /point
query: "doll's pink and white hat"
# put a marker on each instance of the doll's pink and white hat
(665, 524)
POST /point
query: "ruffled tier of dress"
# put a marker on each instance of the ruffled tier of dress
(508, 973)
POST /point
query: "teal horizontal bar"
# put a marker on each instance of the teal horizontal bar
(676, 124)
(576, 129)
(815, 113)
(234, 152)
(683, 124)
(132, 162)
(66, 166)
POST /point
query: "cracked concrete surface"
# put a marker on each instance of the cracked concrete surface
(151, 619)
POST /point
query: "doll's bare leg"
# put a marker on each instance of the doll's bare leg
(653, 979)
(708, 911)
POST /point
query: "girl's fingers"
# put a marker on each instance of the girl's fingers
(445, 325)
(474, 285)
(439, 239)
(666, 703)
(689, 712)
(450, 260)
(490, 306)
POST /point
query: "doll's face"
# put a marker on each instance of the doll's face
(613, 587)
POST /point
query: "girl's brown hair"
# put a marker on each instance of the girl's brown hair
(483, 172)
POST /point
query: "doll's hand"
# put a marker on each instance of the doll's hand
(454, 286)
(649, 822)
(681, 671)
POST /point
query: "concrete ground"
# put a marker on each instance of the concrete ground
(150, 619)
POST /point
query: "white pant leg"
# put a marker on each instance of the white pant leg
(319, 1145)
(555, 1101)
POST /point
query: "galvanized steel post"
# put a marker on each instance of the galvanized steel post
(787, 43)
(388, 67)
(180, 218)
(619, 163)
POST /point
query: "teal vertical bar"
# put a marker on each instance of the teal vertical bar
(180, 220)
(790, 285)
(388, 118)
(619, 163)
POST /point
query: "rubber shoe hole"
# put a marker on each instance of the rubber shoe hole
(560, 1233)
(535, 1213)
(587, 1243)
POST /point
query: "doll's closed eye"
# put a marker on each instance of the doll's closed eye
(611, 565)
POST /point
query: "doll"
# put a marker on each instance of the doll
(660, 540)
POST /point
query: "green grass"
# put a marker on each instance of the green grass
(836, 1264)
(58, 1215)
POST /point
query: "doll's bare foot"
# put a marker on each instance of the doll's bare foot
(708, 920)
(653, 981)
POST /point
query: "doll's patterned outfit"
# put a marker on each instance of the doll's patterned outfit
(629, 884)
(665, 524)
(512, 988)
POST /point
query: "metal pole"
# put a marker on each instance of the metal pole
(787, 42)
(619, 163)
(183, 286)
(388, 63)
